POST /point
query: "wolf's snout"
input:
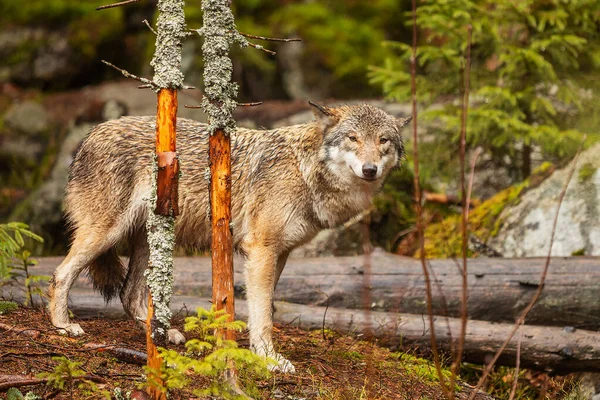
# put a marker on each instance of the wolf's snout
(369, 170)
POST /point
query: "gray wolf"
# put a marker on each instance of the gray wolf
(288, 184)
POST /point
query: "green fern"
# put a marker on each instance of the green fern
(15, 262)
(210, 356)
(67, 375)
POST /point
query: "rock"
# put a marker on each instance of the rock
(527, 226)
(28, 117)
(42, 209)
(35, 54)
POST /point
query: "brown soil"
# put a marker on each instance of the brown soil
(328, 366)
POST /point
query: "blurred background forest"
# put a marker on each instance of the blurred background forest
(535, 85)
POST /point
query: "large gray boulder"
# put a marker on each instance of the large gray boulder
(527, 226)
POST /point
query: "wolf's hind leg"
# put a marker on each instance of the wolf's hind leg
(86, 248)
(134, 294)
(261, 272)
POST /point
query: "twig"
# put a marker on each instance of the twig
(8, 381)
(513, 390)
(149, 26)
(472, 176)
(259, 47)
(270, 39)
(540, 287)
(130, 75)
(366, 294)
(464, 220)
(418, 205)
(121, 3)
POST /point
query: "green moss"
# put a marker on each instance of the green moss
(444, 239)
(423, 369)
(580, 252)
(348, 355)
(586, 171)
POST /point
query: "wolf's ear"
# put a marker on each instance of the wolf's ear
(401, 122)
(326, 116)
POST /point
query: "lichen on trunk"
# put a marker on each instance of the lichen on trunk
(160, 225)
(159, 275)
(220, 92)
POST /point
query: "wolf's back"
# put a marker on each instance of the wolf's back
(109, 182)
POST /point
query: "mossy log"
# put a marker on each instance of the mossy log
(498, 288)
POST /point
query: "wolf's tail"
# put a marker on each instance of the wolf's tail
(107, 273)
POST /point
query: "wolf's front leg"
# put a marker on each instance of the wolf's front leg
(261, 271)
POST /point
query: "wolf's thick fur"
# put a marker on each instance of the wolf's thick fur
(288, 184)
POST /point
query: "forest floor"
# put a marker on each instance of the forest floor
(329, 366)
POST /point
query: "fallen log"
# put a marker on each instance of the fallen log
(544, 348)
(498, 288)
(551, 349)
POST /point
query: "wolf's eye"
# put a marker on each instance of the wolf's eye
(383, 140)
(352, 138)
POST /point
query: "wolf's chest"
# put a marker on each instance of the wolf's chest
(333, 209)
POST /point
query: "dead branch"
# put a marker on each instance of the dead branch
(128, 74)
(10, 381)
(472, 176)
(122, 3)
(149, 26)
(259, 47)
(538, 292)
(121, 353)
(418, 205)
(270, 39)
(513, 390)
(464, 220)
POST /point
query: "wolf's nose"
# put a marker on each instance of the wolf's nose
(369, 170)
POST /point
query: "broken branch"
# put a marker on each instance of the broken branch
(121, 3)
(128, 74)
(270, 39)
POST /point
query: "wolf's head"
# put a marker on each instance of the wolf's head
(361, 143)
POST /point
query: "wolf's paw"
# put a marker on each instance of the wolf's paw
(175, 337)
(71, 329)
(283, 365)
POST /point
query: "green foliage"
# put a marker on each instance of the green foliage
(338, 37)
(586, 171)
(12, 240)
(7, 306)
(527, 57)
(394, 211)
(68, 376)
(15, 261)
(210, 355)
(15, 394)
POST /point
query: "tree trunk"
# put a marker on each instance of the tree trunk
(222, 241)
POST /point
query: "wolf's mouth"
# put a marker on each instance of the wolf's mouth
(368, 179)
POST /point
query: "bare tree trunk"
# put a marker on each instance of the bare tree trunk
(222, 241)
(160, 225)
